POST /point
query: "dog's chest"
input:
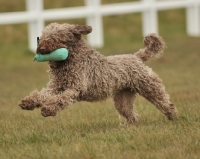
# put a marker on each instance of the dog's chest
(65, 78)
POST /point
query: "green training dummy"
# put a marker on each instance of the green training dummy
(56, 55)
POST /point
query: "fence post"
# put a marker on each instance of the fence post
(149, 17)
(35, 25)
(95, 20)
(193, 19)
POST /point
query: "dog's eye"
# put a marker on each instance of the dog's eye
(70, 37)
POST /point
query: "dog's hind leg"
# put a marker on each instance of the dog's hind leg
(152, 88)
(123, 101)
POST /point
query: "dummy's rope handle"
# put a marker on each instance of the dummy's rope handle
(38, 41)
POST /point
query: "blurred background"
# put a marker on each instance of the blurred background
(178, 67)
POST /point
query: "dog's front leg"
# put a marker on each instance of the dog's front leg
(35, 99)
(58, 102)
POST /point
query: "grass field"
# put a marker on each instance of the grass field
(91, 130)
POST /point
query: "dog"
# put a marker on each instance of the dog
(87, 75)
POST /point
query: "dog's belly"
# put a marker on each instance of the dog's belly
(92, 95)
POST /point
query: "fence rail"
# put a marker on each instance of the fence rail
(93, 11)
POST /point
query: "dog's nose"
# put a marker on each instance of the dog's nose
(41, 50)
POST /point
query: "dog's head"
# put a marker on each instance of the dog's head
(55, 36)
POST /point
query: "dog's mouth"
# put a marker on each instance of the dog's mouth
(44, 53)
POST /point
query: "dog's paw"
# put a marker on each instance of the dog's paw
(128, 124)
(173, 113)
(133, 121)
(28, 104)
(48, 111)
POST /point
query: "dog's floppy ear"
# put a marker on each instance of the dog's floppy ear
(81, 29)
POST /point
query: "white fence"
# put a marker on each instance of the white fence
(93, 12)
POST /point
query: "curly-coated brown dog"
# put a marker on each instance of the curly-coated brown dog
(87, 75)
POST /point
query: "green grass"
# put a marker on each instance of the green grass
(91, 130)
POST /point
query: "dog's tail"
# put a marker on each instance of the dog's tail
(153, 47)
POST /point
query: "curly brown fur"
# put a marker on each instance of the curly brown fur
(87, 75)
